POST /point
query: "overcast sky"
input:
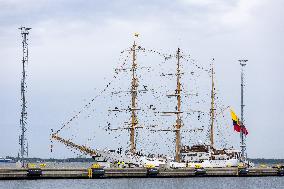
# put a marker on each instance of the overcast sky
(75, 45)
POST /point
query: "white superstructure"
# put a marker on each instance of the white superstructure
(205, 156)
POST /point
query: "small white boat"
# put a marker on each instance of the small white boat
(6, 160)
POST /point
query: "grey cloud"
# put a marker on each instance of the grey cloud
(74, 45)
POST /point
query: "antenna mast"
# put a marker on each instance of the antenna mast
(212, 110)
(178, 120)
(243, 145)
(23, 120)
(134, 86)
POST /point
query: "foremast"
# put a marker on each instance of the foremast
(133, 109)
(178, 113)
(134, 86)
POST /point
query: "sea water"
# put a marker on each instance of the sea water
(150, 183)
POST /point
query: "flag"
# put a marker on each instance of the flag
(245, 131)
(238, 126)
(235, 119)
(234, 116)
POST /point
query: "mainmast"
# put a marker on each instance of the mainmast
(134, 86)
(23, 120)
(243, 145)
(212, 110)
(178, 120)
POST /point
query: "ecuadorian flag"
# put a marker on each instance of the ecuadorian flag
(238, 127)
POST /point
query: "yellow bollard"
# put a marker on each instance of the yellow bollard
(90, 173)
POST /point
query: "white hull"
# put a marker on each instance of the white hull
(143, 161)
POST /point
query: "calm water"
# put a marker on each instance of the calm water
(150, 183)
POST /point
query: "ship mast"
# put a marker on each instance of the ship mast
(134, 86)
(178, 120)
(212, 110)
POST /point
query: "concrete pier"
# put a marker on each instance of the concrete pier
(48, 173)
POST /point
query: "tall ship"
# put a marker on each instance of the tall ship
(185, 155)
